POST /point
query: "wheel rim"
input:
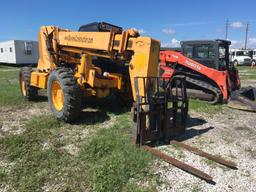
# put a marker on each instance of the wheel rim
(23, 87)
(57, 96)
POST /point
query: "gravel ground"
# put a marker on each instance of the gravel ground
(249, 82)
(230, 134)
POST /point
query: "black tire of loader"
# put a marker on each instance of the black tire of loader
(71, 91)
(31, 92)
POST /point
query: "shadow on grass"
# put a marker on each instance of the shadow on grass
(95, 110)
(191, 122)
(92, 117)
(40, 98)
(190, 133)
(109, 104)
(180, 135)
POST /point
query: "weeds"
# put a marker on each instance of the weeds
(108, 161)
(204, 107)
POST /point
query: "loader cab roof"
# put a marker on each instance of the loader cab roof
(216, 41)
(100, 27)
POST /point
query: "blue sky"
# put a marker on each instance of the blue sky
(169, 21)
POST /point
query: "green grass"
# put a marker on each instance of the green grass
(246, 72)
(10, 91)
(196, 188)
(204, 107)
(113, 160)
(107, 161)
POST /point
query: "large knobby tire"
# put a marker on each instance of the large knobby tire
(28, 92)
(64, 94)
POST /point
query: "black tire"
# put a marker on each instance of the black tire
(29, 93)
(71, 93)
(235, 63)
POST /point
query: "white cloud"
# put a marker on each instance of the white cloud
(173, 43)
(168, 31)
(237, 25)
(252, 42)
(236, 44)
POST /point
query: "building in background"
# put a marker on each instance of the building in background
(19, 52)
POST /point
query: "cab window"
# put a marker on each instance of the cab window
(188, 51)
(204, 52)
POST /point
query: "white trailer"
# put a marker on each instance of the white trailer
(19, 52)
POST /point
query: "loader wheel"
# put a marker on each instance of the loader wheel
(28, 92)
(64, 94)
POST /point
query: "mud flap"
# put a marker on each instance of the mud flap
(243, 99)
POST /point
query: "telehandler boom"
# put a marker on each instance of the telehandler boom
(93, 61)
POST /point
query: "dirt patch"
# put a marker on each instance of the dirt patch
(12, 119)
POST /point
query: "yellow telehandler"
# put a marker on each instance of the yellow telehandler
(101, 58)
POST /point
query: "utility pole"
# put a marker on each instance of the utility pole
(227, 25)
(246, 35)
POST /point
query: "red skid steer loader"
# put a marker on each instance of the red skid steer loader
(210, 75)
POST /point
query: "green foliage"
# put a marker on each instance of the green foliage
(204, 107)
(246, 72)
(114, 160)
(108, 161)
(10, 94)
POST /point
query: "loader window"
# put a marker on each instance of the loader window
(10, 49)
(188, 51)
(204, 52)
(222, 58)
(2, 50)
(222, 52)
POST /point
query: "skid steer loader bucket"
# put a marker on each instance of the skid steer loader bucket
(243, 99)
(160, 111)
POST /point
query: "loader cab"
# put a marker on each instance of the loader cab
(211, 53)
